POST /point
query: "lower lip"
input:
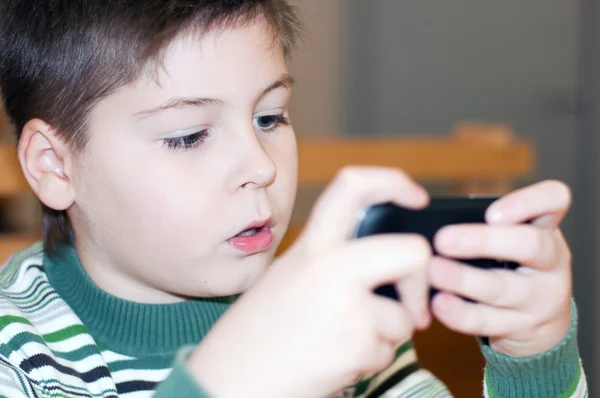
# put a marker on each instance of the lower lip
(253, 244)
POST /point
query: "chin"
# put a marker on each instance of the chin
(253, 277)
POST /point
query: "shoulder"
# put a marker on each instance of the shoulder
(21, 267)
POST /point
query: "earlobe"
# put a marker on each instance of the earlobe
(43, 158)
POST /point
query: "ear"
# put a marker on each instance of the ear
(45, 162)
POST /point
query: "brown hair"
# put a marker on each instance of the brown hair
(59, 58)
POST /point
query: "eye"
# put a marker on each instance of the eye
(186, 142)
(270, 122)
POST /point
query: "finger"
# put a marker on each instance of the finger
(476, 319)
(500, 288)
(544, 203)
(392, 322)
(414, 293)
(541, 249)
(386, 259)
(334, 216)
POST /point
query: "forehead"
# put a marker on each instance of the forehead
(243, 53)
(233, 66)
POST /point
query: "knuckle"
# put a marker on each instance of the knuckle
(466, 282)
(400, 173)
(347, 175)
(350, 181)
(420, 247)
(560, 191)
(481, 323)
(494, 292)
(536, 240)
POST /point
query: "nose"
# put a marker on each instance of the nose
(257, 168)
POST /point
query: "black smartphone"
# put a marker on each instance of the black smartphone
(442, 211)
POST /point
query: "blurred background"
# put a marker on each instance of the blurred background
(390, 68)
(402, 70)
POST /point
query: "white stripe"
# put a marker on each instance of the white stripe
(111, 356)
(137, 394)
(37, 280)
(582, 388)
(420, 377)
(140, 374)
(55, 311)
(25, 275)
(14, 329)
(11, 392)
(85, 364)
(68, 345)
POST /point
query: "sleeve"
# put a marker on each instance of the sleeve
(403, 379)
(180, 382)
(555, 373)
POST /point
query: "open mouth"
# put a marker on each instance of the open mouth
(255, 228)
(255, 238)
(251, 231)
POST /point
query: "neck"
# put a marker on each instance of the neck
(127, 326)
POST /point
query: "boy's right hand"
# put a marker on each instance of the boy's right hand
(312, 325)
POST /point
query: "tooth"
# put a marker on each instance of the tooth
(250, 232)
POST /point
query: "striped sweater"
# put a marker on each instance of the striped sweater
(61, 336)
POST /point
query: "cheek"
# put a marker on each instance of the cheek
(154, 198)
(285, 156)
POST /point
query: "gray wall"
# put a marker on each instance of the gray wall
(585, 247)
(316, 65)
(420, 66)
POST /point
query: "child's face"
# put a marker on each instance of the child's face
(157, 203)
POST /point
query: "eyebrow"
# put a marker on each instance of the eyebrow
(286, 81)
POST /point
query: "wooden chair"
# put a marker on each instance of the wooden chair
(473, 158)
(12, 184)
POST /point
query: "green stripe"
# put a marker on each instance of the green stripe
(141, 364)
(26, 301)
(79, 354)
(40, 307)
(19, 340)
(573, 385)
(403, 348)
(30, 287)
(363, 385)
(10, 319)
(53, 382)
(65, 334)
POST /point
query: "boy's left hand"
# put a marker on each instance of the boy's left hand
(523, 312)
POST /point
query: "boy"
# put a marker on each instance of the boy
(156, 135)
